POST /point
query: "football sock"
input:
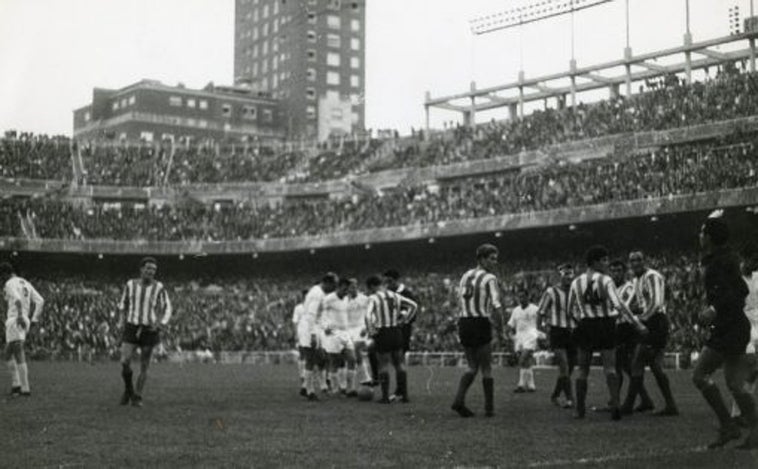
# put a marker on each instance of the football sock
(663, 383)
(323, 377)
(557, 388)
(489, 392)
(744, 401)
(567, 388)
(351, 382)
(364, 368)
(301, 370)
(644, 396)
(374, 362)
(530, 378)
(581, 395)
(342, 377)
(23, 374)
(712, 396)
(126, 374)
(613, 388)
(635, 385)
(463, 386)
(750, 388)
(13, 370)
(141, 378)
(384, 381)
(402, 383)
(334, 378)
(521, 378)
(308, 381)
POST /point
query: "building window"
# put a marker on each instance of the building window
(249, 112)
(354, 117)
(264, 50)
(333, 59)
(175, 100)
(191, 102)
(310, 112)
(167, 137)
(311, 74)
(87, 116)
(336, 113)
(265, 10)
(311, 55)
(132, 100)
(265, 29)
(124, 102)
(202, 123)
(355, 81)
(146, 136)
(333, 21)
(355, 43)
(333, 40)
(333, 78)
(311, 18)
(114, 106)
(264, 67)
(355, 25)
(226, 110)
(268, 115)
(311, 36)
(355, 62)
(310, 93)
(203, 104)
(276, 7)
(255, 51)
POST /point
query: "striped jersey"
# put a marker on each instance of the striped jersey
(554, 307)
(649, 291)
(593, 295)
(20, 296)
(143, 304)
(479, 293)
(385, 309)
(403, 290)
(626, 295)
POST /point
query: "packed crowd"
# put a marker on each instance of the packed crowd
(673, 104)
(255, 314)
(729, 162)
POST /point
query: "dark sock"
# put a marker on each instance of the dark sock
(489, 395)
(712, 396)
(126, 374)
(581, 395)
(613, 389)
(747, 407)
(558, 387)
(567, 388)
(631, 394)
(644, 396)
(463, 386)
(402, 384)
(384, 381)
(373, 362)
(620, 377)
(663, 383)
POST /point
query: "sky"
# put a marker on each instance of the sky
(54, 52)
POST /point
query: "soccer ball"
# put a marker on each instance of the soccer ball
(365, 393)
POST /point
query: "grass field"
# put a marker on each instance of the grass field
(251, 416)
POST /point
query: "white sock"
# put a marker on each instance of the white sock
(530, 378)
(323, 376)
(351, 382)
(342, 377)
(301, 368)
(366, 373)
(23, 373)
(13, 370)
(308, 377)
(334, 379)
(521, 378)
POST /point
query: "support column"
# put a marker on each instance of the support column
(572, 67)
(521, 94)
(688, 57)
(751, 41)
(428, 97)
(513, 111)
(628, 67)
(472, 109)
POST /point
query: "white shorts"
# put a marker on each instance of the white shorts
(13, 332)
(337, 342)
(356, 338)
(525, 342)
(303, 334)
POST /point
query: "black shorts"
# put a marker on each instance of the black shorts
(658, 331)
(561, 338)
(407, 331)
(474, 332)
(388, 340)
(626, 334)
(596, 334)
(143, 336)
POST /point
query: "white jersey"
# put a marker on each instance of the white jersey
(334, 312)
(751, 311)
(312, 305)
(357, 309)
(298, 313)
(20, 296)
(524, 321)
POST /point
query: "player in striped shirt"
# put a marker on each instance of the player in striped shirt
(24, 309)
(146, 309)
(479, 295)
(595, 305)
(649, 294)
(387, 312)
(627, 338)
(392, 280)
(554, 315)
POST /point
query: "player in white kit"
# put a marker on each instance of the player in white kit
(23, 301)
(309, 333)
(337, 341)
(750, 275)
(297, 316)
(357, 309)
(523, 322)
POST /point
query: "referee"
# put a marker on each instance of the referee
(146, 310)
(479, 295)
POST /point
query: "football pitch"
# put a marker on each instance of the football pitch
(252, 416)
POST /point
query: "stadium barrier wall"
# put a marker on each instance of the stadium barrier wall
(510, 222)
(544, 359)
